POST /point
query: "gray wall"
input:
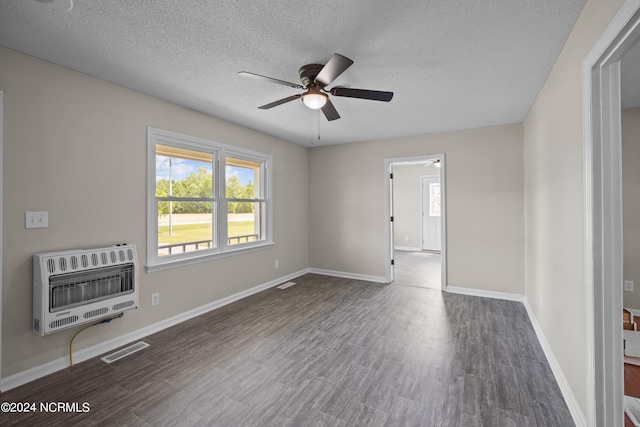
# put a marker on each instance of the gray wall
(631, 203)
(76, 146)
(555, 205)
(485, 205)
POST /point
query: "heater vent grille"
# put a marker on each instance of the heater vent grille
(71, 290)
(122, 305)
(95, 313)
(63, 322)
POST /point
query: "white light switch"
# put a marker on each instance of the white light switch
(37, 219)
(628, 285)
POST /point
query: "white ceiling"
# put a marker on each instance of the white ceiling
(451, 64)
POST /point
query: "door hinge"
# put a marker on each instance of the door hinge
(391, 176)
(391, 219)
(392, 262)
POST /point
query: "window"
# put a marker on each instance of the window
(199, 210)
(434, 199)
(245, 200)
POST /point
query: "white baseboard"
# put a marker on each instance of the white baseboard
(37, 372)
(407, 248)
(377, 279)
(572, 403)
(485, 294)
(570, 399)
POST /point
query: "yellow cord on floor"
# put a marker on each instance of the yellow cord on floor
(87, 327)
(74, 337)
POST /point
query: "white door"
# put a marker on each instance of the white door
(431, 214)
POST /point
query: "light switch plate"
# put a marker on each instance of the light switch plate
(628, 285)
(37, 219)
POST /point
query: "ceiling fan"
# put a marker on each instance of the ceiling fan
(315, 78)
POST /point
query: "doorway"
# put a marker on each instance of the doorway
(416, 231)
(603, 203)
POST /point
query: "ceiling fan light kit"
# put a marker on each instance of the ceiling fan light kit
(315, 78)
(314, 99)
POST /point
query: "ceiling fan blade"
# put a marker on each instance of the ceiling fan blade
(375, 95)
(280, 102)
(336, 66)
(269, 79)
(330, 111)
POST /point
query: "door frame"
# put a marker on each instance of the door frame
(422, 210)
(388, 193)
(603, 216)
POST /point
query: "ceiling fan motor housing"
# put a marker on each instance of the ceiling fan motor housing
(308, 74)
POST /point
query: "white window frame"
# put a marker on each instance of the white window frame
(220, 153)
(262, 197)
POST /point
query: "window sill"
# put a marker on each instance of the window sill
(205, 257)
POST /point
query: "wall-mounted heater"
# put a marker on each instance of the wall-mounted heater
(80, 286)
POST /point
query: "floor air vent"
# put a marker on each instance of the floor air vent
(286, 285)
(125, 352)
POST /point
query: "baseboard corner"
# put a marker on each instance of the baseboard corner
(578, 416)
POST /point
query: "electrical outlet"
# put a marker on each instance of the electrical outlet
(628, 285)
(155, 299)
(277, 264)
(37, 219)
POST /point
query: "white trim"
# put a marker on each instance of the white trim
(485, 294)
(634, 312)
(205, 257)
(603, 217)
(388, 163)
(346, 275)
(37, 372)
(220, 152)
(407, 248)
(569, 398)
(389, 226)
(1, 218)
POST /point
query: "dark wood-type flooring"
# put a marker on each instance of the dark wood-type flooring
(631, 386)
(327, 351)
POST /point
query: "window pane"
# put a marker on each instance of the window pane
(183, 173)
(184, 227)
(242, 179)
(434, 199)
(244, 222)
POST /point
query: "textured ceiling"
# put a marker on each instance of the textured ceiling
(451, 64)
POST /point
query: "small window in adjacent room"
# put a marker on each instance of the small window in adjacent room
(199, 210)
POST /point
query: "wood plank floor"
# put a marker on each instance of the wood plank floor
(631, 386)
(327, 351)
